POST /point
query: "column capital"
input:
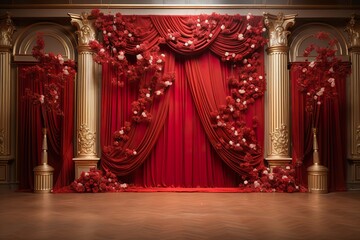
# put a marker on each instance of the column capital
(6, 29)
(278, 26)
(85, 29)
(353, 30)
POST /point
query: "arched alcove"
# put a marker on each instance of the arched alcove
(57, 39)
(303, 36)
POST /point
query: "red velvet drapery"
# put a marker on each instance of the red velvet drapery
(331, 134)
(177, 148)
(59, 134)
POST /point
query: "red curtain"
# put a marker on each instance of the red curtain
(331, 134)
(59, 135)
(178, 147)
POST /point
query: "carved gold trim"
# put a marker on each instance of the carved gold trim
(2, 142)
(277, 49)
(85, 27)
(353, 30)
(6, 30)
(278, 26)
(357, 139)
(86, 140)
(280, 140)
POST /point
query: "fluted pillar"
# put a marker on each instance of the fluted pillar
(87, 97)
(277, 130)
(6, 102)
(353, 153)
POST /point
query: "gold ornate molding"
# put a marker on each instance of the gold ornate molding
(280, 140)
(2, 142)
(278, 26)
(357, 140)
(86, 140)
(7, 29)
(353, 31)
(85, 28)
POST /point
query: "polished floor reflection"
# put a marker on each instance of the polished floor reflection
(174, 215)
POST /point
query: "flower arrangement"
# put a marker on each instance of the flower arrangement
(53, 72)
(95, 181)
(261, 179)
(317, 77)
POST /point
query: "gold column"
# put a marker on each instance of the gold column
(277, 127)
(6, 101)
(353, 30)
(87, 96)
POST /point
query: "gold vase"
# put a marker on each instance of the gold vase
(317, 173)
(43, 174)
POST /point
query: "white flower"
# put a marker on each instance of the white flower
(255, 170)
(102, 50)
(190, 42)
(241, 36)
(139, 57)
(249, 65)
(284, 177)
(248, 27)
(244, 81)
(256, 89)
(248, 16)
(104, 32)
(232, 128)
(231, 142)
(41, 99)
(163, 55)
(246, 182)
(123, 185)
(198, 25)
(109, 34)
(121, 132)
(238, 100)
(252, 46)
(147, 95)
(86, 174)
(168, 83)
(158, 92)
(206, 21)
(245, 61)
(210, 35)
(238, 144)
(264, 29)
(159, 61)
(287, 167)
(121, 56)
(331, 70)
(260, 77)
(186, 44)
(318, 103)
(134, 152)
(135, 112)
(271, 176)
(332, 84)
(130, 35)
(244, 140)
(244, 102)
(222, 27)
(241, 91)
(65, 71)
(312, 64)
(233, 55)
(315, 97)
(250, 78)
(109, 179)
(304, 70)
(265, 172)
(226, 54)
(252, 145)
(256, 184)
(331, 80)
(61, 59)
(236, 133)
(143, 114)
(137, 46)
(217, 117)
(219, 124)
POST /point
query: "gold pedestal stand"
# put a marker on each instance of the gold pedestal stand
(317, 174)
(43, 174)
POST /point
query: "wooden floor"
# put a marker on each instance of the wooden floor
(174, 215)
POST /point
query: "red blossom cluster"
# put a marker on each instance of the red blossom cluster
(52, 71)
(261, 179)
(95, 181)
(317, 77)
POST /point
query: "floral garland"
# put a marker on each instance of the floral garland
(119, 33)
(53, 72)
(317, 78)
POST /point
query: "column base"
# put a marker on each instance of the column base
(278, 162)
(353, 170)
(317, 178)
(43, 178)
(84, 165)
